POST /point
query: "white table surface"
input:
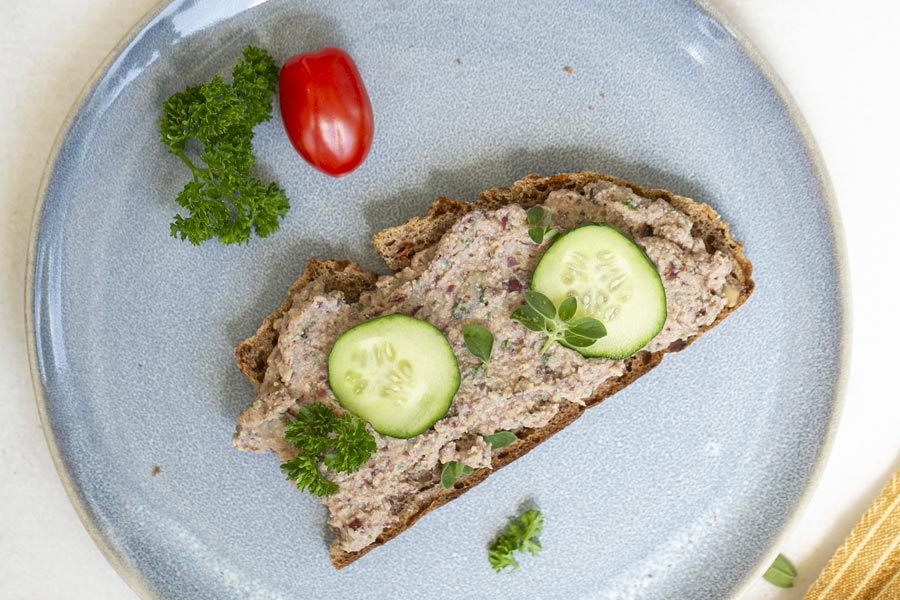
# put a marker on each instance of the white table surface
(839, 58)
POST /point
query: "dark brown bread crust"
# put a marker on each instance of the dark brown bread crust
(398, 244)
(252, 354)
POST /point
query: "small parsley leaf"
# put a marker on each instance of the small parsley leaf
(539, 225)
(452, 471)
(587, 327)
(480, 342)
(567, 308)
(520, 536)
(577, 341)
(501, 439)
(541, 303)
(501, 555)
(223, 200)
(340, 443)
(530, 318)
(781, 573)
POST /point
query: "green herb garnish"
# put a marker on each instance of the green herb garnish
(480, 342)
(452, 471)
(539, 225)
(340, 443)
(558, 324)
(781, 573)
(223, 199)
(501, 439)
(520, 536)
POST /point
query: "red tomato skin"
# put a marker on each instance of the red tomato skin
(326, 110)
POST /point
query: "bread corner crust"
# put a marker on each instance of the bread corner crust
(252, 354)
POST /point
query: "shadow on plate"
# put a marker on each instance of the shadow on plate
(471, 178)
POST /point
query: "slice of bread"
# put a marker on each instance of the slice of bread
(397, 245)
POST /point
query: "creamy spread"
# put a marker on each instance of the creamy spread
(475, 274)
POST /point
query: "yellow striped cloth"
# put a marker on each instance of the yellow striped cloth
(867, 565)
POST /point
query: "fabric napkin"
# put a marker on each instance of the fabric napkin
(867, 565)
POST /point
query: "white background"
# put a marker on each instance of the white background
(839, 58)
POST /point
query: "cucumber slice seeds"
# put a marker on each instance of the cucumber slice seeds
(396, 372)
(612, 280)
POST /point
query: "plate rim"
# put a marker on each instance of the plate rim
(819, 168)
(133, 577)
(129, 575)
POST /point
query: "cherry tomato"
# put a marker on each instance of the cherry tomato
(326, 110)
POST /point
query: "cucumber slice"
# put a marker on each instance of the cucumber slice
(396, 372)
(613, 281)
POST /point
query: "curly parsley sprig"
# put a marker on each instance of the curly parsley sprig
(340, 443)
(223, 199)
(520, 536)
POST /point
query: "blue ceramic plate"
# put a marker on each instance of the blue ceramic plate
(679, 487)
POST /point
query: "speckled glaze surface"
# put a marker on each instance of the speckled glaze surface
(695, 469)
